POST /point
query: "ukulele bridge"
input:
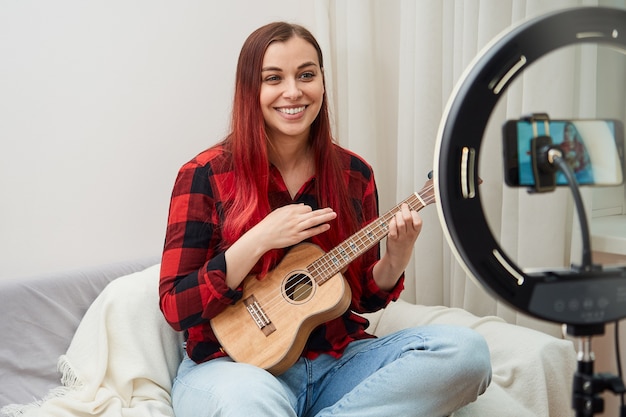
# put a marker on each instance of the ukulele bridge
(259, 316)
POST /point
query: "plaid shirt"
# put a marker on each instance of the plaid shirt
(193, 269)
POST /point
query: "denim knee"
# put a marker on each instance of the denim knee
(222, 387)
(473, 359)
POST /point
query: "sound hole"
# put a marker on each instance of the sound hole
(298, 287)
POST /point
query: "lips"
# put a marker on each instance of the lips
(291, 110)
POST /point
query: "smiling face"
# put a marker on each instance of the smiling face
(292, 88)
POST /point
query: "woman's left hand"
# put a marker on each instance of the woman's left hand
(404, 228)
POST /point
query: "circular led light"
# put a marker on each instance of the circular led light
(571, 297)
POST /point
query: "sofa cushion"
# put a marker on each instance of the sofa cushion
(39, 318)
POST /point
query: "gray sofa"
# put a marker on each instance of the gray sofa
(44, 318)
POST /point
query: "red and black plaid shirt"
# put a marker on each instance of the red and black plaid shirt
(193, 269)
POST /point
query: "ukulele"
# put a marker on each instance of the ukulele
(271, 323)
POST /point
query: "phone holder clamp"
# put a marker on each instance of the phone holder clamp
(543, 155)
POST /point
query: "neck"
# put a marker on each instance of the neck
(295, 162)
(287, 154)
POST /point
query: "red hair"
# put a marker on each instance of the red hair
(248, 143)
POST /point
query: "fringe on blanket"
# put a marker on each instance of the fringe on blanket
(69, 382)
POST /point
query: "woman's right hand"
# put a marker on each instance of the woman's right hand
(283, 227)
(291, 224)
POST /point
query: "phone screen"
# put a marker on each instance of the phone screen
(593, 150)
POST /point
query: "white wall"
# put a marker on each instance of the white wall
(101, 101)
(100, 104)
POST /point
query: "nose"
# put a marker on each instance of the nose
(292, 90)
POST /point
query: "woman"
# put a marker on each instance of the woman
(576, 155)
(279, 179)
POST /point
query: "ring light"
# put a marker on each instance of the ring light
(570, 297)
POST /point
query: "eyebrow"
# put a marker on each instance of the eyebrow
(306, 64)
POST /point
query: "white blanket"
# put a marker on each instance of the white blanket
(121, 361)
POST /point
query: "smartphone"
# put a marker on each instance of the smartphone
(593, 148)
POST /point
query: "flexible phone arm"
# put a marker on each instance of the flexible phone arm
(555, 156)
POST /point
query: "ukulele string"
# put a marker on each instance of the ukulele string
(299, 286)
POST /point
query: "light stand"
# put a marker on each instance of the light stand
(587, 385)
(457, 154)
(546, 159)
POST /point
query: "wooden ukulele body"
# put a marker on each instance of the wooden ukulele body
(270, 325)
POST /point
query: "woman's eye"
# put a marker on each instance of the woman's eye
(272, 79)
(307, 76)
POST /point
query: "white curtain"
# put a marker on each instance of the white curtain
(391, 67)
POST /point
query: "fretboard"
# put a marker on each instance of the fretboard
(342, 255)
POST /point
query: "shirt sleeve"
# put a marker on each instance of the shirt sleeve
(192, 287)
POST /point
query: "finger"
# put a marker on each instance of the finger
(313, 231)
(400, 222)
(317, 217)
(299, 208)
(392, 229)
(404, 218)
(411, 218)
(417, 221)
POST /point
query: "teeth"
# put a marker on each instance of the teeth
(292, 110)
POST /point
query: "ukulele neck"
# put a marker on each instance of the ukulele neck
(356, 245)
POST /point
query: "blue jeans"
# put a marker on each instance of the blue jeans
(425, 371)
